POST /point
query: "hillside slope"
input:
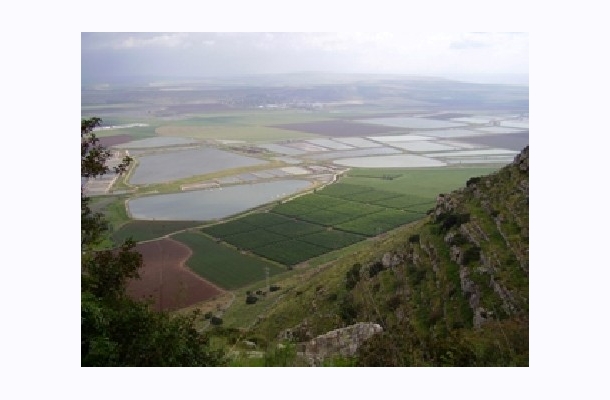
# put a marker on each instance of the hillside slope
(450, 290)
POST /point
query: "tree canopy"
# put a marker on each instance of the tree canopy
(115, 329)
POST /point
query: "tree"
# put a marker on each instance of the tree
(115, 329)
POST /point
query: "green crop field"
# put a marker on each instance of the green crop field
(293, 208)
(222, 265)
(295, 228)
(326, 217)
(374, 196)
(423, 182)
(228, 228)
(146, 230)
(343, 189)
(332, 239)
(374, 224)
(264, 220)
(255, 238)
(318, 201)
(366, 202)
(407, 202)
(290, 252)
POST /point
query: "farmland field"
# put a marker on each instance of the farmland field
(336, 128)
(219, 136)
(146, 230)
(426, 182)
(290, 252)
(366, 202)
(412, 122)
(223, 265)
(165, 281)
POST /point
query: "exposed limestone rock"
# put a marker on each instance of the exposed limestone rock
(482, 233)
(339, 342)
(444, 204)
(465, 230)
(523, 160)
(466, 283)
(480, 316)
(470, 289)
(456, 255)
(449, 237)
(508, 301)
(391, 260)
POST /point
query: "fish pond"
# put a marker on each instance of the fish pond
(204, 205)
(172, 165)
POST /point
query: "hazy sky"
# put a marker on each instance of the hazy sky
(106, 56)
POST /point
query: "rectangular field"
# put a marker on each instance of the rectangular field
(223, 265)
(255, 238)
(291, 252)
(375, 224)
(146, 230)
(366, 202)
(228, 228)
(332, 239)
(326, 217)
(336, 128)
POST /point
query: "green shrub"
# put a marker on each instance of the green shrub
(375, 268)
(352, 277)
(472, 254)
(473, 181)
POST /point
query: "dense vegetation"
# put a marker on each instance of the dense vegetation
(116, 330)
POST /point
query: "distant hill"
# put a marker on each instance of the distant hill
(453, 290)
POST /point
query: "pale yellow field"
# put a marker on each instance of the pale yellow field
(247, 133)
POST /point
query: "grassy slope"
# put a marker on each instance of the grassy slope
(425, 306)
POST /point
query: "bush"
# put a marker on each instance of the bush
(450, 220)
(208, 315)
(414, 238)
(394, 302)
(348, 309)
(216, 321)
(472, 254)
(473, 181)
(375, 268)
(274, 288)
(352, 277)
(251, 299)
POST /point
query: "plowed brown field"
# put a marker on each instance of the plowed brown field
(166, 280)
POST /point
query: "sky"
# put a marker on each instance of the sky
(502, 57)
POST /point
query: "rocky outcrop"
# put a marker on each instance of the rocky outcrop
(522, 160)
(339, 342)
(391, 260)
